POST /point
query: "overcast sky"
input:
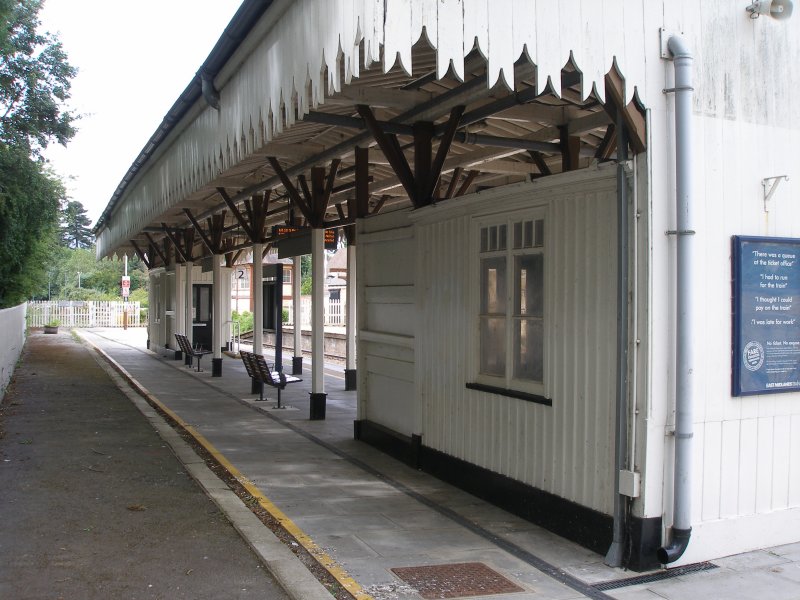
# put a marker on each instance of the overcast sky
(134, 60)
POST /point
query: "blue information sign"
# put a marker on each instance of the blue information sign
(766, 315)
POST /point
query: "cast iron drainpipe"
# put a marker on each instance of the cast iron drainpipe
(685, 364)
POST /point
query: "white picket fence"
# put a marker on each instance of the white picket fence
(335, 310)
(72, 313)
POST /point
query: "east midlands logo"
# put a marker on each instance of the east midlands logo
(753, 356)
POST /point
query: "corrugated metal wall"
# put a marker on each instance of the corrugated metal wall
(567, 448)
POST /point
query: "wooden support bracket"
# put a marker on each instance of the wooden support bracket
(632, 117)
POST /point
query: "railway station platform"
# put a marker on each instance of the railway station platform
(371, 526)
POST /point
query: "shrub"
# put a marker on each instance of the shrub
(244, 319)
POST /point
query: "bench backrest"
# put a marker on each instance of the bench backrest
(183, 343)
(262, 368)
(247, 359)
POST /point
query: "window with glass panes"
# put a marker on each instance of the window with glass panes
(511, 311)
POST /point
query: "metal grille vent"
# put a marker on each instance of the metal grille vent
(652, 577)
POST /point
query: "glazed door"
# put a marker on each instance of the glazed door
(201, 316)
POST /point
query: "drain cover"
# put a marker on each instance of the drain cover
(456, 580)
(653, 577)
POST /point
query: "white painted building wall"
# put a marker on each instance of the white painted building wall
(746, 475)
(387, 322)
(566, 449)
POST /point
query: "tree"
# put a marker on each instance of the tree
(75, 274)
(75, 231)
(29, 199)
(34, 87)
(35, 81)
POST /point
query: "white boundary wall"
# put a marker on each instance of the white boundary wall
(12, 329)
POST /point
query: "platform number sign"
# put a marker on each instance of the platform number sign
(126, 286)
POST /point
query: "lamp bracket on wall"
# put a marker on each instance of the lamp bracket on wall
(770, 184)
(777, 9)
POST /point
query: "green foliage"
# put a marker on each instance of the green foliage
(305, 275)
(29, 198)
(285, 315)
(75, 230)
(35, 81)
(34, 87)
(305, 287)
(98, 280)
(245, 320)
(141, 296)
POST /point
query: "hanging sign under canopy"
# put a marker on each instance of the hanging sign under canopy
(296, 241)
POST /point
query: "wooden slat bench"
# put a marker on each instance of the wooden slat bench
(188, 350)
(263, 372)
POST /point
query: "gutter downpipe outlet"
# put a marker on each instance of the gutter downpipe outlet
(685, 364)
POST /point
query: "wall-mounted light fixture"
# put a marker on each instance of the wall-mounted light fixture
(777, 9)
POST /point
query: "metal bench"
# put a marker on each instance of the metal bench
(188, 350)
(259, 370)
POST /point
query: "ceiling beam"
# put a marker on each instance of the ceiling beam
(451, 188)
(444, 147)
(290, 188)
(510, 167)
(142, 256)
(238, 215)
(570, 151)
(608, 145)
(203, 237)
(540, 163)
(379, 97)
(390, 148)
(155, 247)
(471, 175)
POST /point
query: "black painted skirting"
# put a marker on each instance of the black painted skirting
(568, 519)
(645, 539)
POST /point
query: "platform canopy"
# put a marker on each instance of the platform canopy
(450, 97)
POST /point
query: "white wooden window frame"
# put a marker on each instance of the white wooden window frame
(507, 382)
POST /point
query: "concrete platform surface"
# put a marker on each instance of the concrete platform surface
(371, 516)
(94, 503)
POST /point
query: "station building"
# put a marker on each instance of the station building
(554, 215)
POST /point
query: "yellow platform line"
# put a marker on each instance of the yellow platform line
(322, 557)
